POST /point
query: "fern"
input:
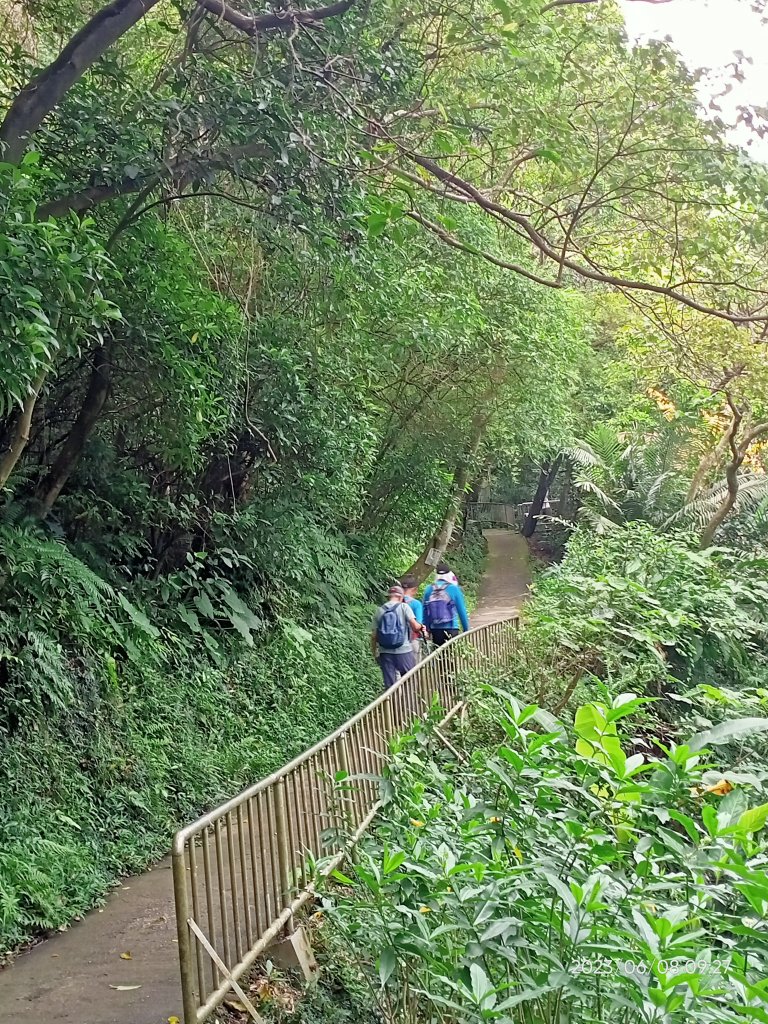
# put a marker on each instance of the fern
(606, 444)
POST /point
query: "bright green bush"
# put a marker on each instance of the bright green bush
(555, 877)
(653, 611)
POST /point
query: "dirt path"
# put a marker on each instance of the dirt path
(505, 584)
(72, 978)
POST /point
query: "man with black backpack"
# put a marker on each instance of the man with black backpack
(444, 607)
(394, 624)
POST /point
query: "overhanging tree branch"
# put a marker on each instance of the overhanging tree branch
(449, 239)
(284, 21)
(570, 3)
(186, 170)
(590, 272)
(42, 94)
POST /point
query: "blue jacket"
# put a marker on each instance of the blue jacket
(416, 607)
(459, 607)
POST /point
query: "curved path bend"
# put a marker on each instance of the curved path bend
(73, 977)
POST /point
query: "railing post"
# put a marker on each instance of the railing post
(347, 799)
(283, 847)
(181, 897)
(344, 764)
(388, 722)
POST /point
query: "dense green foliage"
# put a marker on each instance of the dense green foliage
(277, 293)
(604, 863)
(552, 877)
(637, 609)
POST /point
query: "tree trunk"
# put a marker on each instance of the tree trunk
(714, 524)
(546, 479)
(566, 489)
(708, 464)
(20, 432)
(44, 93)
(90, 411)
(420, 569)
(739, 451)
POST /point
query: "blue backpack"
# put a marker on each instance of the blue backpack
(392, 631)
(441, 609)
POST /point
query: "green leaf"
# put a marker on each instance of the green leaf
(242, 627)
(188, 616)
(500, 927)
(481, 985)
(590, 723)
(377, 223)
(709, 817)
(387, 964)
(688, 824)
(727, 731)
(754, 819)
(204, 606)
(137, 617)
(393, 862)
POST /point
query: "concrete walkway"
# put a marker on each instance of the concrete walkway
(507, 577)
(68, 978)
(76, 976)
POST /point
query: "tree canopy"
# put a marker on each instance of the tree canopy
(278, 288)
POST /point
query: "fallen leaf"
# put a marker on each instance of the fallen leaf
(235, 1004)
(54, 955)
(126, 956)
(124, 988)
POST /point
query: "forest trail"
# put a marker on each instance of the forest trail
(505, 584)
(73, 977)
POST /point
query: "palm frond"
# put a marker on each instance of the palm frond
(752, 493)
(584, 484)
(582, 455)
(606, 444)
(598, 523)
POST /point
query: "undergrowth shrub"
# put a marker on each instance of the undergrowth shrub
(554, 878)
(130, 705)
(644, 611)
(114, 729)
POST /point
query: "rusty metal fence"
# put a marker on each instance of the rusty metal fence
(240, 872)
(498, 513)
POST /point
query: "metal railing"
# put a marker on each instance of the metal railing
(497, 512)
(240, 871)
(549, 508)
(503, 514)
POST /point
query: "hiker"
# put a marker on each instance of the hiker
(410, 587)
(394, 624)
(444, 607)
